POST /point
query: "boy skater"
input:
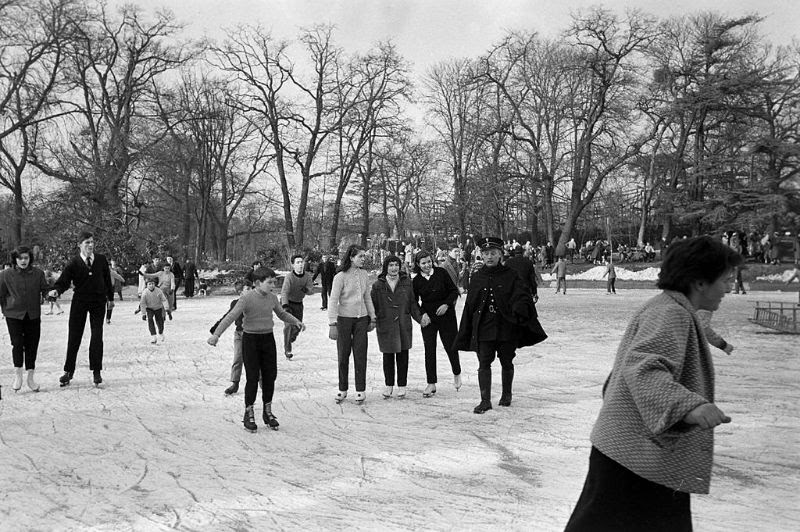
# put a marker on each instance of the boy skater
(236, 368)
(612, 278)
(560, 269)
(258, 343)
(296, 285)
(88, 273)
(153, 305)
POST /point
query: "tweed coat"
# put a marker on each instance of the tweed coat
(394, 311)
(663, 370)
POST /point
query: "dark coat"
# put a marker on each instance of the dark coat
(526, 270)
(89, 284)
(514, 305)
(437, 291)
(326, 270)
(394, 312)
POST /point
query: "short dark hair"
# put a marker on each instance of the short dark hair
(84, 235)
(418, 257)
(21, 250)
(256, 262)
(263, 273)
(700, 258)
(295, 257)
(387, 261)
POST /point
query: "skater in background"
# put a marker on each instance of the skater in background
(258, 343)
(116, 280)
(189, 275)
(166, 282)
(177, 272)
(611, 272)
(560, 269)
(436, 295)
(88, 273)
(326, 269)
(351, 316)
(242, 285)
(53, 300)
(153, 305)
(296, 286)
(525, 269)
(795, 275)
(395, 307)
(499, 316)
(652, 443)
(21, 289)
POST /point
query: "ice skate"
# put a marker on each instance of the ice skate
(505, 400)
(430, 391)
(270, 420)
(401, 392)
(161, 338)
(340, 396)
(361, 397)
(32, 384)
(97, 378)
(65, 378)
(288, 355)
(249, 419)
(154, 339)
(17, 379)
(457, 381)
(482, 407)
(232, 389)
(387, 392)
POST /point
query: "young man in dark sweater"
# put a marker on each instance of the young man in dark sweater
(296, 285)
(89, 275)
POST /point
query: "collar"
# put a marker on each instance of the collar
(298, 275)
(84, 257)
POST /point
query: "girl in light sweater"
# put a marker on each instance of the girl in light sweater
(351, 316)
(258, 343)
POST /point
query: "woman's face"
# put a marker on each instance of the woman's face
(358, 259)
(23, 261)
(426, 265)
(393, 269)
(709, 295)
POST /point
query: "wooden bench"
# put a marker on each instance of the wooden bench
(779, 316)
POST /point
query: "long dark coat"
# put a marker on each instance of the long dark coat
(394, 312)
(514, 305)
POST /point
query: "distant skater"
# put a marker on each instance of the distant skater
(154, 305)
(611, 272)
(117, 280)
(296, 286)
(258, 343)
(326, 269)
(795, 275)
(560, 269)
(653, 441)
(21, 289)
(88, 273)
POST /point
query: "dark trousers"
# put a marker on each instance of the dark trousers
(352, 337)
(25, 334)
(174, 301)
(157, 316)
(259, 354)
(77, 322)
(189, 290)
(487, 351)
(562, 281)
(614, 498)
(447, 328)
(610, 285)
(326, 292)
(389, 360)
(290, 332)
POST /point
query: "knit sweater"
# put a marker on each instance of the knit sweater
(20, 292)
(663, 370)
(256, 308)
(295, 287)
(153, 299)
(350, 296)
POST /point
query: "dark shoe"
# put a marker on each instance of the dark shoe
(249, 419)
(289, 356)
(98, 379)
(482, 407)
(232, 389)
(65, 378)
(505, 400)
(270, 419)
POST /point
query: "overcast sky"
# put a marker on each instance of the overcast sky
(428, 31)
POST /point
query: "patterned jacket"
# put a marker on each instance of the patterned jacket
(663, 370)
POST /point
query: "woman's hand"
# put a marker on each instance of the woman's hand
(212, 340)
(425, 320)
(707, 416)
(441, 310)
(333, 332)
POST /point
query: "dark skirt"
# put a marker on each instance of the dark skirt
(616, 499)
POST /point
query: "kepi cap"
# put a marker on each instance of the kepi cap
(490, 242)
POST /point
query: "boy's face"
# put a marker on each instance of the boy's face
(151, 286)
(266, 286)
(86, 246)
(297, 265)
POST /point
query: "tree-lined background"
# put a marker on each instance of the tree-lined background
(626, 127)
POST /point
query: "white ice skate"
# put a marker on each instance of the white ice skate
(430, 390)
(32, 384)
(360, 398)
(387, 392)
(17, 379)
(401, 392)
(340, 396)
(161, 338)
(457, 381)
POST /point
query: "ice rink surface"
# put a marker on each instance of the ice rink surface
(160, 447)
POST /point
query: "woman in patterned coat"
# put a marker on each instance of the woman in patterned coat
(652, 444)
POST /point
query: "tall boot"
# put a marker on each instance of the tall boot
(17, 379)
(485, 383)
(508, 379)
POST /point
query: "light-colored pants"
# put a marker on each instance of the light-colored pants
(236, 367)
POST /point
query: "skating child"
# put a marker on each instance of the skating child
(53, 300)
(258, 343)
(560, 269)
(612, 278)
(296, 285)
(153, 305)
(239, 286)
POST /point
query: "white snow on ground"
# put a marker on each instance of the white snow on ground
(596, 274)
(779, 277)
(160, 447)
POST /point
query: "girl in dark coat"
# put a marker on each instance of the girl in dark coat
(21, 289)
(499, 316)
(395, 307)
(437, 293)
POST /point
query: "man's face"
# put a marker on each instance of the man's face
(169, 260)
(491, 256)
(87, 246)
